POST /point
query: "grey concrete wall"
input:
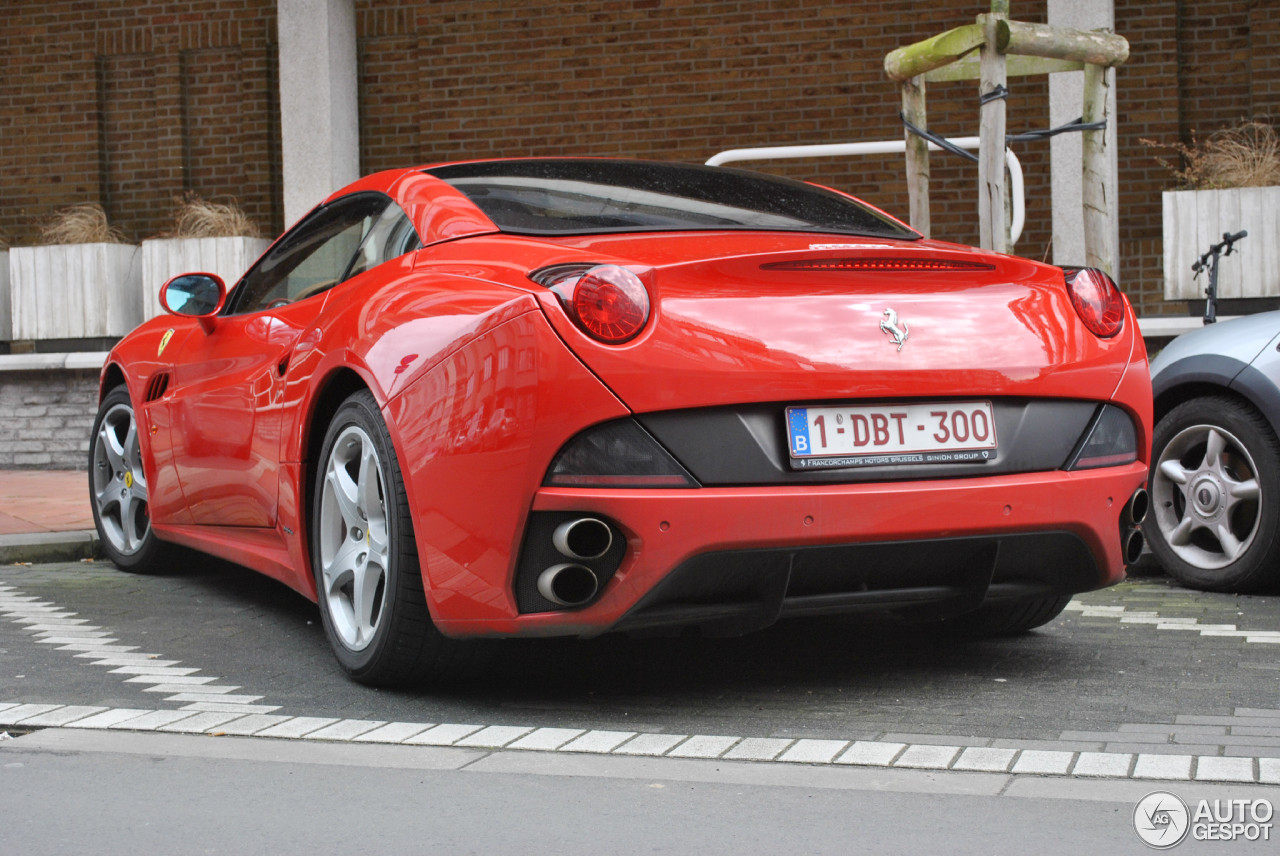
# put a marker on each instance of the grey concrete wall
(46, 417)
(1066, 100)
(319, 117)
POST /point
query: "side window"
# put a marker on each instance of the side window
(391, 237)
(313, 256)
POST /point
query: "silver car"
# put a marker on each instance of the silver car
(1215, 478)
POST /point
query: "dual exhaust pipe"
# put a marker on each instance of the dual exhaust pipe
(572, 583)
(1131, 517)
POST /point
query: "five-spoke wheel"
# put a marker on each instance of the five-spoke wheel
(365, 559)
(352, 534)
(1215, 491)
(118, 486)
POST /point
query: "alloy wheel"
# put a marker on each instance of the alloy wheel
(353, 538)
(119, 484)
(1206, 496)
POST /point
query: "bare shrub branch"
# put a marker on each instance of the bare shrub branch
(1245, 156)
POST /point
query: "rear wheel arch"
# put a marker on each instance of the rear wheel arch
(364, 556)
(333, 391)
(1170, 398)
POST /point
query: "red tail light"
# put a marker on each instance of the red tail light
(609, 302)
(1097, 300)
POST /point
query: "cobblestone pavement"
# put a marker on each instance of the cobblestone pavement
(1144, 667)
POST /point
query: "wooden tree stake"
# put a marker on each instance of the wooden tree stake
(913, 108)
(1098, 208)
(993, 229)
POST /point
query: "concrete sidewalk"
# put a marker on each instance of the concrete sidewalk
(45, 516)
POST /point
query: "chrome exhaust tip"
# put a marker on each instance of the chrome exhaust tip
(583, 539)
(1132, 546)
(1135, 510)
(568, 584)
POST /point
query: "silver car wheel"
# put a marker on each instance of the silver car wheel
(1206, 497)
(353, 539)
(119, 485)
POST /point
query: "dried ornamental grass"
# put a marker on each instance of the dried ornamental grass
(198, 218)
(1244, 156)
(80, 224)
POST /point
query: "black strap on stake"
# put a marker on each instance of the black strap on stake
(1077, 125)
(1025, 137)
(940, 142)
(994, 95)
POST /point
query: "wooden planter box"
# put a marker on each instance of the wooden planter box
(6, 313)
(74, 291)
(1195, 219)
(165, 258)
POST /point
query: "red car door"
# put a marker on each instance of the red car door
(229, 383)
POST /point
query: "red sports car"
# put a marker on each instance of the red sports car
(563, 397)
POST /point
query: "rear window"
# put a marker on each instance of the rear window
(575, 197)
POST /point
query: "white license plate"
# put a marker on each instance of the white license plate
(860, 435)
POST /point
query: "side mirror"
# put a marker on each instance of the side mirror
(195, 295)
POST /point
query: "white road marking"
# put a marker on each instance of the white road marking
(216, 710)
(53, 625)
(1265, 637)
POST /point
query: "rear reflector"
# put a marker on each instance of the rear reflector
(874, 263)
(616, 454)
(1111, 441)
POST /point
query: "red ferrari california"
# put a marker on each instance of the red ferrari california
(565, 397)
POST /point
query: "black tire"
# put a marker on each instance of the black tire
(1007, 617)
(118, 489)
(392, 641)
(1215, 496)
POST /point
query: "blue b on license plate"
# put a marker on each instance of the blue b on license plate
(852, 435)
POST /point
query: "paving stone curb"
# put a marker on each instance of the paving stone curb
(818, 752)
(39, 547)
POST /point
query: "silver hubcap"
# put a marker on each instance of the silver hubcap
(1207, 501)
(354, 544)
(119, 486)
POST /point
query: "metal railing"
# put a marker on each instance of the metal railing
(884, 147)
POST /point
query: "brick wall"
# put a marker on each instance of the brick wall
(1193, 68)
(46, 417)
(131, 103)
(676, 80)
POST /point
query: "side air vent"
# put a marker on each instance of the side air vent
(881, 264)
(157, 385)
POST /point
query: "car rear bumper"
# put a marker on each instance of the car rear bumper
(733, 559)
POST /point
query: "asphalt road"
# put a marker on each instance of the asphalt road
(1084, 674)
(762, 744)
(108, 793)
